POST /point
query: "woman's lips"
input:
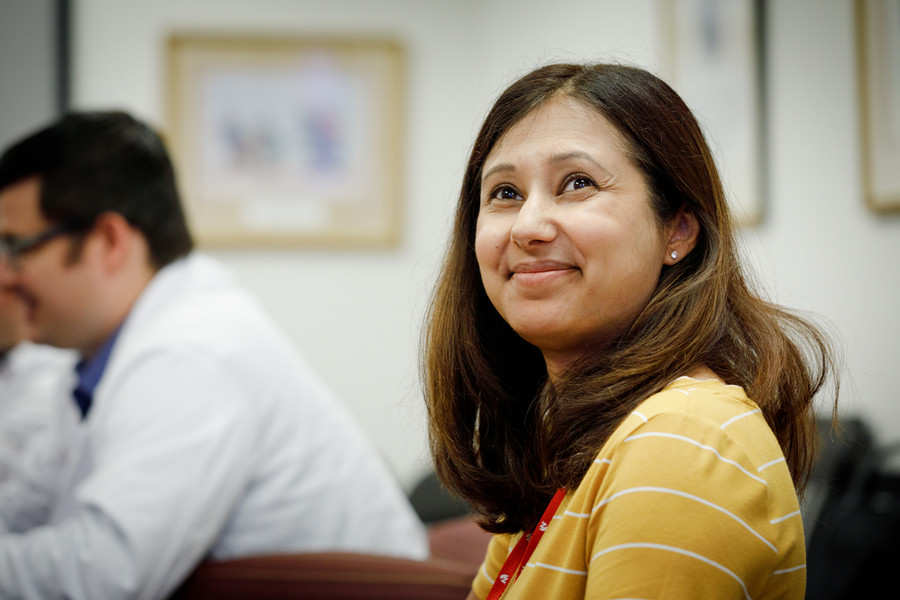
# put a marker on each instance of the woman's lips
(541, 272)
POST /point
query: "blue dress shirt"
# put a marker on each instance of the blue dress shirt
(89, 372)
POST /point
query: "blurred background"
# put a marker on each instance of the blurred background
(356, 312)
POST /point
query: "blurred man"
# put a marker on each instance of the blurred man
(197, 430)
(29, 376)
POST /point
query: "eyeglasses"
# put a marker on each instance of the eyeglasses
(12, 248)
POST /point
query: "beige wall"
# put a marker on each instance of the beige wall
(356, 315)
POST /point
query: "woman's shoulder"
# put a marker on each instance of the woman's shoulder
(695, 470)
(710, 402)
(697, 436)
(708, 411)
(708, 399)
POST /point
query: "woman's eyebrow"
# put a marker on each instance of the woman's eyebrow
(499, 168)
(556, 158)
(562, 157)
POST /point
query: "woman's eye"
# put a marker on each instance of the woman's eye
(505, 193)
(577, 183)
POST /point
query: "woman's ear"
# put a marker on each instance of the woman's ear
(682, 236)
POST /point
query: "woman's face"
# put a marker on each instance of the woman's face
(568, 246)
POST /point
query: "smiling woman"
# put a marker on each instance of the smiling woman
(626, 415)
(568, 246)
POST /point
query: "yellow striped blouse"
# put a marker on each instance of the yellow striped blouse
(689, 498)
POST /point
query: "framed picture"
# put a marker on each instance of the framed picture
(878, 39)
(713, 57)
(287, 142)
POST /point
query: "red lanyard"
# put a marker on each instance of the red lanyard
(524, 548)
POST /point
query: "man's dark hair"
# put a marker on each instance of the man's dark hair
(90, 163)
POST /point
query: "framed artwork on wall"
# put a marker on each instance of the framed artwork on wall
(713, 56)
(287, 141)
(878, 42)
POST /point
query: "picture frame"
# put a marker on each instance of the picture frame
(714, 57)
(878, 50)
(287, 142)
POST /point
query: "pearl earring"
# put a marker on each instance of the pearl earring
(674, 254)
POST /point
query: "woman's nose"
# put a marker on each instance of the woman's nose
(535, 223)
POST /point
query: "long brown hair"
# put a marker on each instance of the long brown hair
(502, 436)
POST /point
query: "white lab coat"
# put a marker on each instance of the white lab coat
(30, 376)
(209, 436)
